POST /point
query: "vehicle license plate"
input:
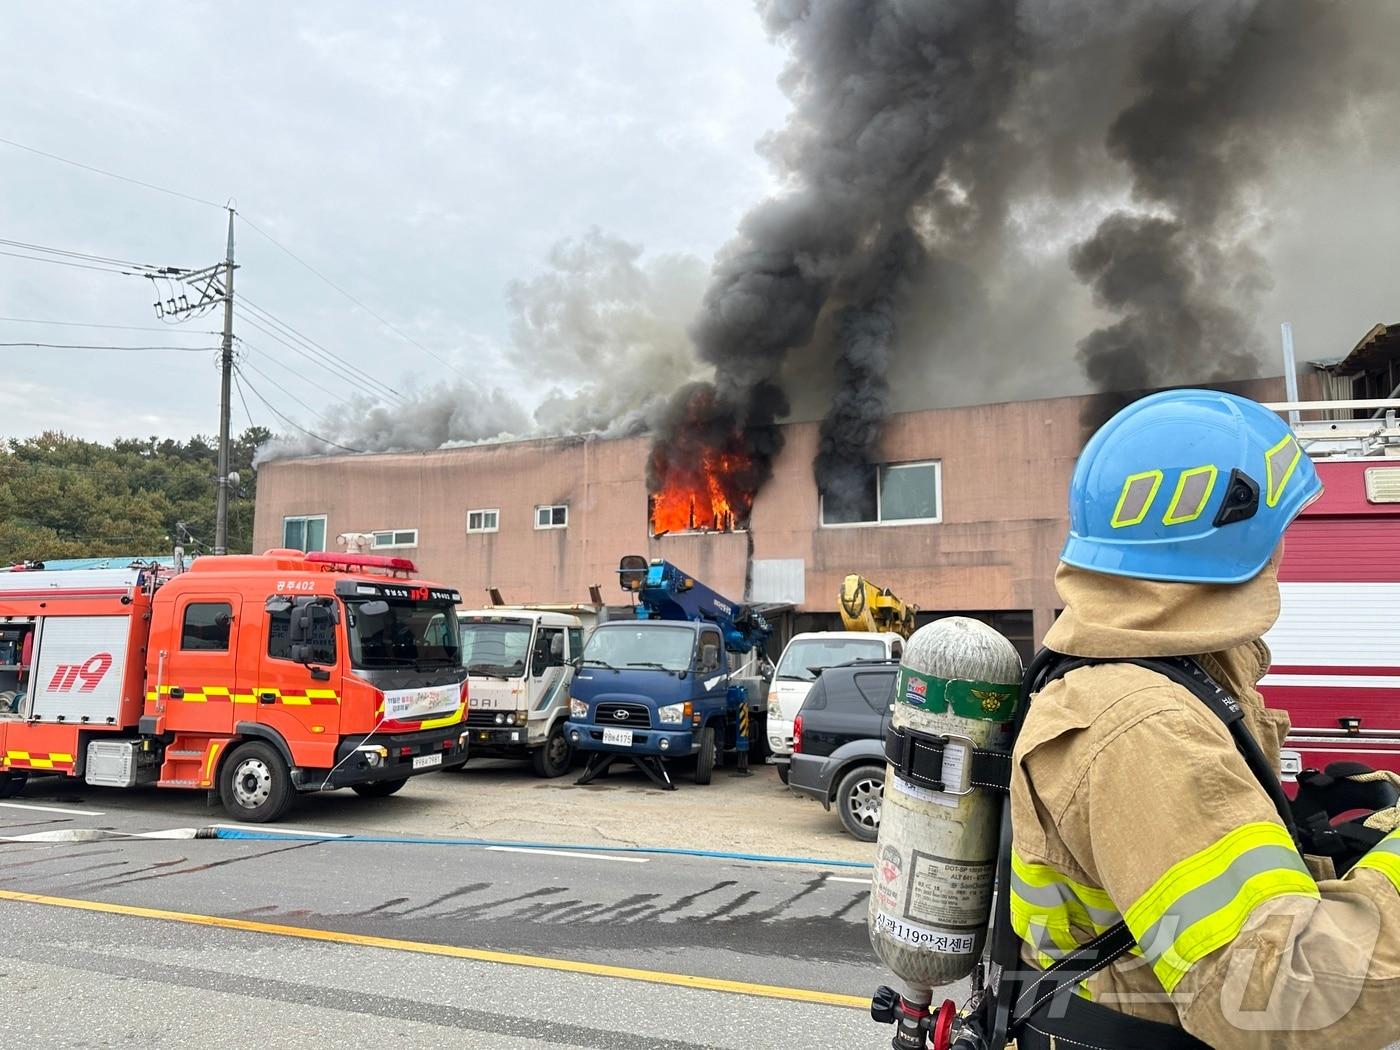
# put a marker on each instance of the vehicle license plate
(618, 736)
(425, 761)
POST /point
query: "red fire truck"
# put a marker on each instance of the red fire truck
(254, 676)
(1336, 646)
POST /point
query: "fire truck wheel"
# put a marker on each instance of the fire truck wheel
(12, 784)
(378, 788)
(705, 760)
(255, 783)
(555, 758)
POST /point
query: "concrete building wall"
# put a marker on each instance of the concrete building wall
(1005, 473)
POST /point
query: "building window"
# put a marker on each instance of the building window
(206, 626)
(895, 494)
(392, 538)
(307, 533)
(555, 517)
(483, 520)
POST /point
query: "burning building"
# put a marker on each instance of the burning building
(967, 515)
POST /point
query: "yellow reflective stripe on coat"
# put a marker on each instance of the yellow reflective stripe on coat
(1385, 858)
(1055, 914)
(1203, 902)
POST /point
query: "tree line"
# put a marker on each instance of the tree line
(64, 497)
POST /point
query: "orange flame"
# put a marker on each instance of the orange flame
(702, 499)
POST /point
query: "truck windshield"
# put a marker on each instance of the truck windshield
(640, 645)
(398, 633)
(500, 649)
(806, 654)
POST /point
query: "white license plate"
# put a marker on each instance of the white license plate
(618, 736)
(427, 761)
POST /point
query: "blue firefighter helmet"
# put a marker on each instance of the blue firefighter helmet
(1193, 486)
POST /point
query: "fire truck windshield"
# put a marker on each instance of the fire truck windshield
(396, 633)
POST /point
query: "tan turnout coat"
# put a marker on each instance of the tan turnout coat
(1130, 799)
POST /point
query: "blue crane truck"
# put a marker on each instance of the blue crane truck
(676, 681)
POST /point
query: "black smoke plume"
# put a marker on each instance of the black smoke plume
(887, 97)
(1220, 93)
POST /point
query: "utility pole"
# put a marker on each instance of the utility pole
(225, 383)
(209, 286)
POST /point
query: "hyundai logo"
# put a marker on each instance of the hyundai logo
(622, 716)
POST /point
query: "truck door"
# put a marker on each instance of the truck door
(548, 682)
(710, 673)
(201, 678)
(301, 701)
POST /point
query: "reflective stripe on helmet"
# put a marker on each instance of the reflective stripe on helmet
(1201, 903)
(1138, 493)
(1193, 491)
(1280, 462)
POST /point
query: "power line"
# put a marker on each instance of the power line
(93, 324)
(332, 364)
(88, 256)
(279, 386)
(272, 319)
(382, 320)
(89, 346)
(109, 174)
(297, 426)
(288, 368)
(239, 387)
(74, 265)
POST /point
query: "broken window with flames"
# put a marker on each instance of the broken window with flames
(704, 470)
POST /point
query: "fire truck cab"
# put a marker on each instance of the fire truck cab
(256, 677)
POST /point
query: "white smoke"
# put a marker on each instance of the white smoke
(598, 337)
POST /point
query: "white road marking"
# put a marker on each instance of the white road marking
(55, 809)
(566, 853)
(282, 831)
(842, 878)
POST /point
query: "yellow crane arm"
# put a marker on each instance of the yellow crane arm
(865, 606)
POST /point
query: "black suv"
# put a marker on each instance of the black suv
(838, 752)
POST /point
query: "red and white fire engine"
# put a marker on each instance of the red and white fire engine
(1336, 646)
(256, 677)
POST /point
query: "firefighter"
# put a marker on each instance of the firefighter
(1131, 800)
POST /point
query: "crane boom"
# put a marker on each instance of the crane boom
(664, 592)
(866, 606)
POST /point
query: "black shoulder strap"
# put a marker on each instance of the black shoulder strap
(1011, 1010)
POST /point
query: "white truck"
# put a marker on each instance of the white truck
(803, 659)
(520, 663)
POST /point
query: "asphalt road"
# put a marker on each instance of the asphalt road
(566, 920)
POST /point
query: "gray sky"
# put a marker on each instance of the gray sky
(422, 156)
(425, 156)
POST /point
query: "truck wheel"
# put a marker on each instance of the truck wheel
(378, 788)
(705, 760)
(255, 783)
(12, 784)
(858, 801)
(554, 758)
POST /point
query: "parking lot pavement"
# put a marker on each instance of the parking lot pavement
(503, 800)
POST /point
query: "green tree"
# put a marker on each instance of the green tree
(64, 497)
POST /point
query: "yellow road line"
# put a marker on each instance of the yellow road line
(538, 962)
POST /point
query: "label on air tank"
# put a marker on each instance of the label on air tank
(920, 937)
(947, 892)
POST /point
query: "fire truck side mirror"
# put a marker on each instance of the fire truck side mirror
(312, 633)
